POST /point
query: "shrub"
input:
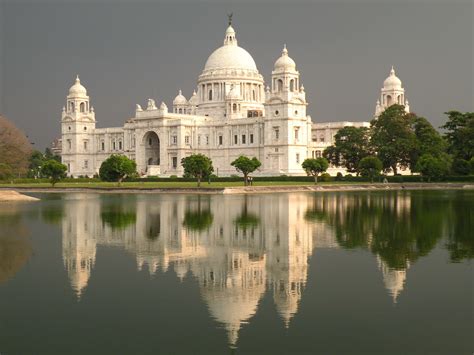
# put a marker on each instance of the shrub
(116, 168)
(54, 170)
(325, 177)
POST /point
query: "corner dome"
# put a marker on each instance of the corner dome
(77, 89)
(193, 99)
(180, 99)
(392, 81)
(285, 63)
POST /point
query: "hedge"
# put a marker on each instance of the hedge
(309, 179)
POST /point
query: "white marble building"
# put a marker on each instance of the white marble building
(231, 113)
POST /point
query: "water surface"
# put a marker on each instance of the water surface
(321, 273)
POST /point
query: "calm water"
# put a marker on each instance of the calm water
(325, 273)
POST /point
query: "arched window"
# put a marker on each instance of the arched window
(82, 107)
(72, 106)
(280, 85)
(389, 100)
(210, 95)
(292, 85)
(234, 107)
(180, 110)
(254, 96)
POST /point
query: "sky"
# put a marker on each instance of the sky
(128, 51)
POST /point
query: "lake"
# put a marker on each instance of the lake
(312, 273)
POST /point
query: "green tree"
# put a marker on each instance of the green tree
(48, 154)
(36, 161)
(6, 172)
(246, 166)
(461, 167)
(428, 140)
(315, 167)
(471, 166)
(198, 166)
(351, 144)
(371, 167)
(433, 167)
(116, 168)
(460, 134)
(54, 170)
(392, 138)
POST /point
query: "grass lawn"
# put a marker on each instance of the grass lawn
(170, 184)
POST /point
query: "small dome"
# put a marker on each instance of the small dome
(77, 89)
(180, 99)
(193, 99)
(392, 82)
(285, 62)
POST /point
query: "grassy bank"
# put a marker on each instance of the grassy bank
(163, 184)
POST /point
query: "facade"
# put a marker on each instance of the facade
(231, 113)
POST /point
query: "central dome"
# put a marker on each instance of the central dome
(230, 55)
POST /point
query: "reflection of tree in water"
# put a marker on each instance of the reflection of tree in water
(400, 227)
(246, 220)
(52, 214)
(461, 226)
(117, 212)
(198, 218)
(15, 247)
(153, 225)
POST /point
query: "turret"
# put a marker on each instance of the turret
(77, 126)
(392, 93)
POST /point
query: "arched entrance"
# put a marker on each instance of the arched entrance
(151, 143)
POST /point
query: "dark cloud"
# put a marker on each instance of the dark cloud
(128, 51)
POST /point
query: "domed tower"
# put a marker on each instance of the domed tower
(180, 104)
(193, 102)
(392, 93)
(287, 125)
(230, 67)
(77, 127)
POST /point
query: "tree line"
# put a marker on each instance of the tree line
(399, 140)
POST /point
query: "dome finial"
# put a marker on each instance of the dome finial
(78, 81)
(392, 71)
(229, 17)
(284, 51)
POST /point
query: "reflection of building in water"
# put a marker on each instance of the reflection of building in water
(247, 242)
(79, 243)
(233, 245)
(356, 220)
(289, 245)
(394, 280)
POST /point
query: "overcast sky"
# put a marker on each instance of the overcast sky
(128, 51)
